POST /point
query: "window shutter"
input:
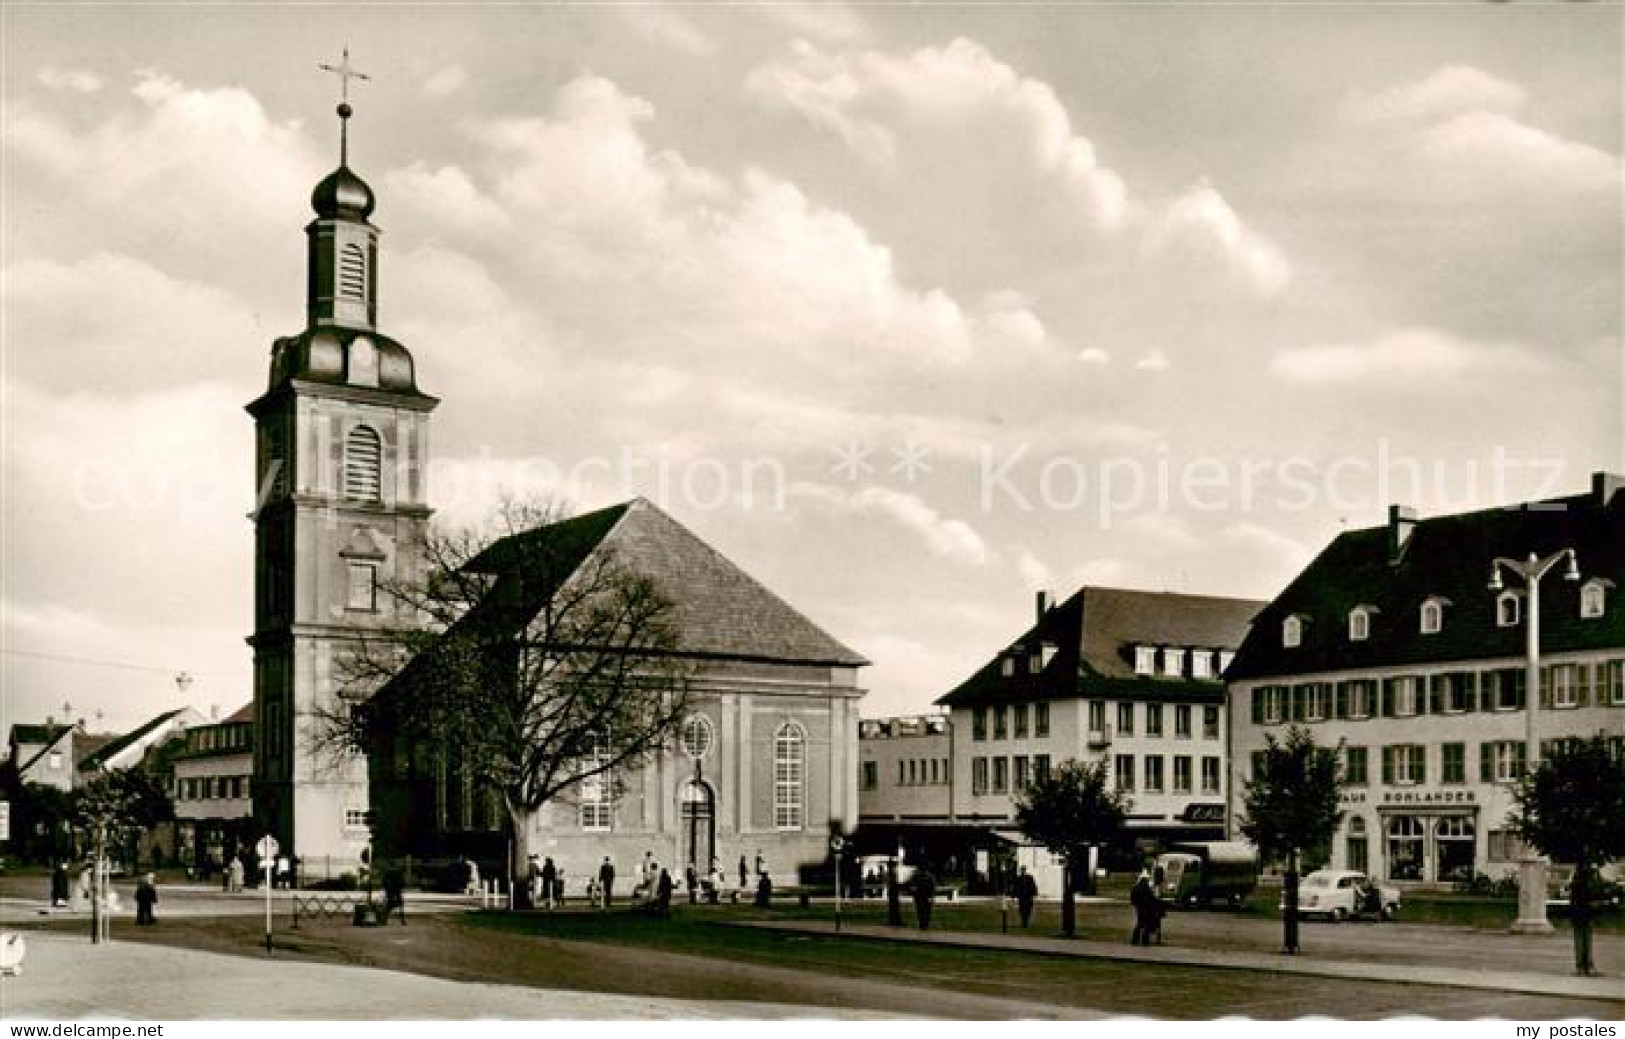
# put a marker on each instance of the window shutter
(1388, 766)
(1299, 695)
(1582, 681)
(1258, 705)
(1486, 762)
(1520, 684)
(1469, 689)
(1387, 698)
(1546, 688)
(1419, 764)
(1340, 705)
(1433, 691)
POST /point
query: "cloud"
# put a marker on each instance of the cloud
(954, 92)
(75, 81)
(666, 26)
(445, 81)
(1094, 355)
(445, 196)
(952, 539)
(1413, 358)
(1201, 225)
(1154, 361)
(1449, 91)
(830, 22)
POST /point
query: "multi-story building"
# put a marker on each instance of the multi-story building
(1128, 677)
(905, 783)
(1393, 644)
(213, 790)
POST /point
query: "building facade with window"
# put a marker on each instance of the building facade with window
(1128, 677)
(214, 791)
(1393, 644)
(764, 764)
(905, 772)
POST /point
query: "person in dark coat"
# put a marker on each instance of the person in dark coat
(764, 891)
(550, 881)
(1026, 895)
(59, 885)
(146, 896)
(663, 895)
(606, 879)
(1146, 909)
(925, 893)
(692, 879)
(395, 894)
(744, 872)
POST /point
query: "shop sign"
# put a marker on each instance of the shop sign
(1203, 813)
(1427, 797)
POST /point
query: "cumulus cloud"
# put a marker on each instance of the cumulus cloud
(1201, 225)
(76, 81)
(871, 98)
(952, 539)
(1415, 358)
(1154, 361)
(830, 22)
(446, 196)
(445, 81)
(1094, 355)
(1448, 91)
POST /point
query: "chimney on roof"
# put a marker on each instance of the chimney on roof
(50, 721)
(1043, 603)
(82, 725)
(1401, 522)
(1604, 486)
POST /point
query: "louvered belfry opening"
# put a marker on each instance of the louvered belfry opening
(362, 459)
(353, 272)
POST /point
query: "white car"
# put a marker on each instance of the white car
(1338, 894)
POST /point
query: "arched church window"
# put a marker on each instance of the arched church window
(363, 459)
(789, 775)
(353, 272)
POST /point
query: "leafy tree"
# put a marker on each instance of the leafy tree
(541, 665)
(1291, 808)
(1570, 808)
(112, 806)
(1068, 810)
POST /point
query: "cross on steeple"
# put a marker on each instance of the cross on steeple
(345, 72)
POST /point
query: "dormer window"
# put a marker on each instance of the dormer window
(1007, 666)
(1592, 599)
(1507, 610)
(1145, 660)
(1173, 662)
(1201, 664)
(1359, 624)
(1432, 616)
(1292, 632)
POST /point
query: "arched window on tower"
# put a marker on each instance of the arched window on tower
(789, 775)
(352, 272)
(363, 456)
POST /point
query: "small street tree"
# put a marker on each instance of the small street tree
(542, 668)
(1290, 807)
(1068, 810)
(1570, 808)
(111, 807)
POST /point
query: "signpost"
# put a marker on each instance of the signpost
(837, 845)
(267, 849)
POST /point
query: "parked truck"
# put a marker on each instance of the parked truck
(1202, 873)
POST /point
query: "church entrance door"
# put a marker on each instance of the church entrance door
(699, 825)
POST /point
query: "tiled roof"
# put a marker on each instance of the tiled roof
(1095, 633)
(1448, 557)
(719, 611)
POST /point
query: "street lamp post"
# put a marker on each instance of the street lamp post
(1532, 869)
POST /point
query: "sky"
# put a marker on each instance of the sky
(909, 310)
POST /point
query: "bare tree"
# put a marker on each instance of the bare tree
(538, 662)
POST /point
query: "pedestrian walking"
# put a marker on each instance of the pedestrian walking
(235, 874)
(549, 877)
(761, 863)
(663, 895)
(146, 896)
(925, 893)
(692, 879)
(282, 872)
(606, 880)
(1144, 900)
(764, 891)
(744, 873)
(394, 894)
(59, 886)
(1026, 895)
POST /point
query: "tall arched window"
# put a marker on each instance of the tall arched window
(363, 457)
(1291, 632)
(597, 791)
(789, 775)
(353, 272)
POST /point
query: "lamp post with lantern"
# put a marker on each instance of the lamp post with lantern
(1532, 869)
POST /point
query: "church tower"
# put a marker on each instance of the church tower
(342, 451)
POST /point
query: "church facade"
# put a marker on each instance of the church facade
(766, 763)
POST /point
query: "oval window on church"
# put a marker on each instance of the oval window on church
(697, 736)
